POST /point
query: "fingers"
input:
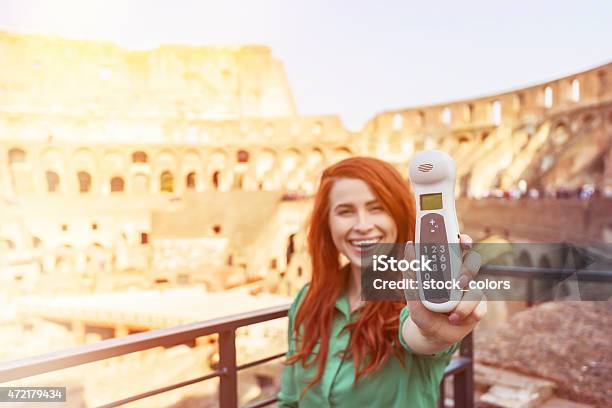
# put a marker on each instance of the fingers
(478, 313)
(409, 251)
(466, 241)
(469, 268)
(410, 254)
(471, 261)
(428, 322)
(467, 306)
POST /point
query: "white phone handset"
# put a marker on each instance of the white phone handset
(432, 174)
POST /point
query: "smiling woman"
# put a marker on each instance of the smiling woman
(357, 219)
(345, 352)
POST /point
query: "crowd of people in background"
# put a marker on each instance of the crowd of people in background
(583, 192)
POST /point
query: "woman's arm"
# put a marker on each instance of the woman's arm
(426, 332)
(417, 341)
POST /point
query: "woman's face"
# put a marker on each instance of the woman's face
(357, 218)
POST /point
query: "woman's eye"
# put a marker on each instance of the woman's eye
(377, 208)
(344, 212)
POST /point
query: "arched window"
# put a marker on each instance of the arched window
(397, 123)
(496, 112)
(243, 156)
(544, 262)
(548, 97)
(190, 181)
(588, 122)
(53, 181)
(84, 181)
(239, 181)
(264, 162)
(576, 90)
(117, 184)
(290, 247)
(421, 118)
(468, 112)
(139, 157)
(463, 139)
(215, 179)
(560, 135)
(16, 156)
(36, 242)
(166, 182)
(524, 259)
(7, 243)
(447, 116)
(519, 102)
(603, 82)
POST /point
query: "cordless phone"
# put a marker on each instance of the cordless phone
(432, 174)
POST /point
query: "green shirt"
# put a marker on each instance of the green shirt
(415, 386)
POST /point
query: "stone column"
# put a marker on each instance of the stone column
(78, 331)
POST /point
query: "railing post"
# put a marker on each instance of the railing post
(463, 382)
(442, 400)
(228, 382)
(529, 291)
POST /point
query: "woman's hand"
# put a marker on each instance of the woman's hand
(428, 332)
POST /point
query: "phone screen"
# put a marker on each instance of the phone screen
(431, 201)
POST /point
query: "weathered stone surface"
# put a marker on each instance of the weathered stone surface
(511, 397)
(510, 389)
(491, 376)
(565, 342)
(172, 80)
(563, 403)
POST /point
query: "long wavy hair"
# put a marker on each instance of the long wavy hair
(374, 336)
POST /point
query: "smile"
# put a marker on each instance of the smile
(363, 244)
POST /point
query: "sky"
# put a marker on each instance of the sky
(356, 58)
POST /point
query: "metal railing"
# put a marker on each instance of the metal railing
(556, 275)
(460, 368)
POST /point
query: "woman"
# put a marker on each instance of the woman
(348, 353)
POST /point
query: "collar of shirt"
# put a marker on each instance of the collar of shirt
(342, 304)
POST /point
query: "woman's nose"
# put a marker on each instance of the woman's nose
(364, 223)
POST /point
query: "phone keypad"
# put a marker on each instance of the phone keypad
(434, 246)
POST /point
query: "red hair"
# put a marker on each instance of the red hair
(374, 336)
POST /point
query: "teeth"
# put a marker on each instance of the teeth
(365, 241)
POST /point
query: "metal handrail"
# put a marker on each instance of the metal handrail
(460, 369)
(547, 274)
(590, 275)
(167, 337)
